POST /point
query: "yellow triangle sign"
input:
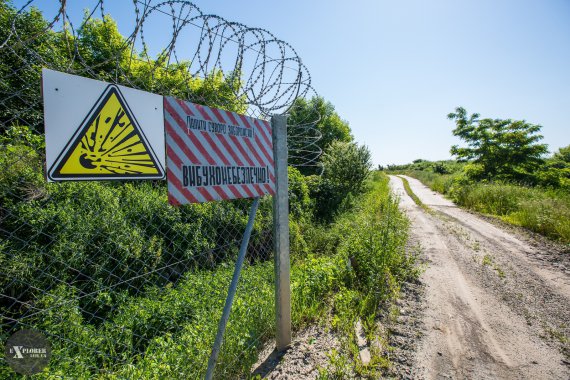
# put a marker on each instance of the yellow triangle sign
(109, 144)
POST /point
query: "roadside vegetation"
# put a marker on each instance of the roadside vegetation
(503, 171)
(370, 245)
(125, 285)
(412, 195)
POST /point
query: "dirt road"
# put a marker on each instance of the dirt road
(497, 306)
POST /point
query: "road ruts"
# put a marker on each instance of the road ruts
(492, 311)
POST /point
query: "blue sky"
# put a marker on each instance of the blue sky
(394, 69)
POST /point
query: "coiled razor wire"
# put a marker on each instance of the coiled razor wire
(271, 73)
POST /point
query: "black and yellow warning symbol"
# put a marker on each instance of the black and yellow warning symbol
(109, 144)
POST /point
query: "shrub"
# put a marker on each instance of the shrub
(440, 168)
(131, 287)
(373, 244)
(300, 203)
(346, 168)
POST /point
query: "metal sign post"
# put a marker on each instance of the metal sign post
(281, 234)
(231, 292)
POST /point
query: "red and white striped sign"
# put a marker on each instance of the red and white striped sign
(212, 154)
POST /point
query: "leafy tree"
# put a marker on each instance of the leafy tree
(346, 168)
(347, 165)
(319, 114)
(556, 172)
(563, 155)
(504, 149)
(104, 51)
(220, 90)
(26, 45)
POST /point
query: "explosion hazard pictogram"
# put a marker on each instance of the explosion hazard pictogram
(109, 144)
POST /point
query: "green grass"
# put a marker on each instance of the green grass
(543, 211)
(374, 237)
(414, 197)
(490, 262)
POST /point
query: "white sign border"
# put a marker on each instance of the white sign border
(69, 101)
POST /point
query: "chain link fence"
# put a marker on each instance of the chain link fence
(122, 284)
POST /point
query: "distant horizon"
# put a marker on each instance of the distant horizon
(550, 153)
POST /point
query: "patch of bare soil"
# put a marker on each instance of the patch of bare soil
(308, 353)
(555, 253)
(493, 308)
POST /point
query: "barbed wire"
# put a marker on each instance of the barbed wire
(271, 73)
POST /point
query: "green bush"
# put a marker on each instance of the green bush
(440, 168)
(165, 333)
(374, 245)
(106, 237)
(300, 203)
(346, 166)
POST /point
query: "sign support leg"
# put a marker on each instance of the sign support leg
(231, 291)
(281, 234)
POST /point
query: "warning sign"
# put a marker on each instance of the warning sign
(214, 154)
(109, 142)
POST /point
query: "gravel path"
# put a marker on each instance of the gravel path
(494, 307)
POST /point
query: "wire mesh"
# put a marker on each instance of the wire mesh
(122, 284)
